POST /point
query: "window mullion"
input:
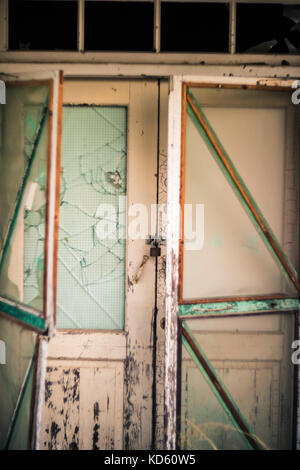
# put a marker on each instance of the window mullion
(4, 25)
(232, 27)
(80, 26)
(157, 23)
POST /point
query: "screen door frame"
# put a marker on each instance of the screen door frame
(178, 84)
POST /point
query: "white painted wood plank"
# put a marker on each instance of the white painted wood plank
(141, 187)
(60, 428)
(96, 92)
(101, 421)
(83, 405)
(214, 73)
(86, 345)
(182, 60)
(172, 253)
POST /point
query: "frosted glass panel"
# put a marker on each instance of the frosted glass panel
(234, 260)
(23, 160)
(91, 265)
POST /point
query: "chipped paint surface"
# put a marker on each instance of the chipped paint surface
(161, 287)
(62, 427)
(83, 406)
(238, 307)
(172, 253)
(140, 296)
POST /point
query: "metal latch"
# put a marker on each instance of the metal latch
(136, 278)
(156, 243)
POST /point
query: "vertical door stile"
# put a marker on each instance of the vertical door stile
(172, 259)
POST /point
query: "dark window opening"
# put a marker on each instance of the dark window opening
(42, 25)
(194, 27)
(268, 28)
(119, 26)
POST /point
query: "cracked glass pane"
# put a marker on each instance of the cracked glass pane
(23, 157)
(279, 36)
(91, 253)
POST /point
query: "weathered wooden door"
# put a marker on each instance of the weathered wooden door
(238, 295)
(99, 377)
(29, 158)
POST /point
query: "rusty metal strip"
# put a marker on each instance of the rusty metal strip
(240, 188)
(219, 389)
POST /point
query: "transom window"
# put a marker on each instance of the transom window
(211, 26)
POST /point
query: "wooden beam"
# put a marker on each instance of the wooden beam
(172, 257)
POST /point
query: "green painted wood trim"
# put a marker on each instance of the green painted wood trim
(23, 316)
(238, 307)
(241, 182)
(216, 391)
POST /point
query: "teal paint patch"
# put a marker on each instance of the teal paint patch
(218, 242)
(252, 242)
(238, 307)
(23, 316)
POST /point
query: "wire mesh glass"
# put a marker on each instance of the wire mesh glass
(91, 254)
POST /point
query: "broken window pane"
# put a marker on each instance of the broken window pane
(228, 257)
(91, 253)
(119, 26)
(19, 350)
(251, 357)
(42, 25)
(23, 177)
(268, 28)
(194, 27)
(204, 423)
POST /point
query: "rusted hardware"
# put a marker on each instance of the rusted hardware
(136, 278)
(156, 243)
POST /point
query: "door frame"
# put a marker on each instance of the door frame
(31, 319)
(173, 251)
(129, 346)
